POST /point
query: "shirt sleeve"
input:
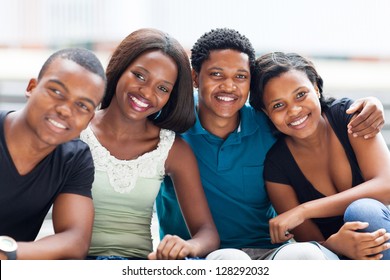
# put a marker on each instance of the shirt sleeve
(275, 164)
(81, 172)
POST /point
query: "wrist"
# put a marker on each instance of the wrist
(8, 247)
(331, 244)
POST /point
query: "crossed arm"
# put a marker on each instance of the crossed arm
(295, 217)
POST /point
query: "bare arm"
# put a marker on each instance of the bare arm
(182, 167)
(369, 119)
(374, 166)
(72, 220)
(283, 199)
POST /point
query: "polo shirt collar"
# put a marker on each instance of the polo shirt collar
(247, 125)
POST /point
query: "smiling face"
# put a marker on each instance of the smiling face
(145, 86)
(62, 102)
(223, 82)
(292, 103)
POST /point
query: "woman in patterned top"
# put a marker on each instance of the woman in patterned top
(149, 98)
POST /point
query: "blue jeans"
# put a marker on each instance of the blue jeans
(373, 212)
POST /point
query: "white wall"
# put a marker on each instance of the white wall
(311, 27)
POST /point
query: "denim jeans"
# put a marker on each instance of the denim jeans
(373, 212)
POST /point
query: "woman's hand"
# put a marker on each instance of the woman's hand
(173, 247)
(281, 225)
(358, 245)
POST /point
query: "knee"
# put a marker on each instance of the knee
(228, 254)
(303, 251)
(364, 210)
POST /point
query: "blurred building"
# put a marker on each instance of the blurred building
(347, 40)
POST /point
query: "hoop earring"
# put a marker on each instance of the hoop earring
(158, 114)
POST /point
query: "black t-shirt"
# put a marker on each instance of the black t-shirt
(25, 200)
(280, 166)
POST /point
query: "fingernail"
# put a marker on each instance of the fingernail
(355, 135)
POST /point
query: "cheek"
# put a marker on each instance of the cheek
(82, 121)
(164, 100)
(278, 120)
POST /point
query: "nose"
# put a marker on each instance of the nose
(228, 85)
(64, 110)
(146, 91)
(294, 110)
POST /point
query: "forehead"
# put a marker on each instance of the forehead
(153, 57)
(157, 63)
(228, 59)
(290, 77)
(75, 78)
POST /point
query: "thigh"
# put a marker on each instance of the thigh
(302, 251)
(228, 254)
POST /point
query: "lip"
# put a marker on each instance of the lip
(57, 125)
(225, 98)
(299, 121)
(138, 103)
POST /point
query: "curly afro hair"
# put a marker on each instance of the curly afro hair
(220, 39)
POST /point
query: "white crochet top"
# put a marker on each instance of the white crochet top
(123, 174)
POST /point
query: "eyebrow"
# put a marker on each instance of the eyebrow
(58, 82)
(147, 71)
(221, 69)
(293, 92)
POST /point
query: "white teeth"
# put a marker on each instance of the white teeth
(139, 102)
(298, 122)
(57, 124)
(225, 98)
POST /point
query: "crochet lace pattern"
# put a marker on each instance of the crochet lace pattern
(123, 174)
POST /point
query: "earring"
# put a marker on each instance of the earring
(158, 114)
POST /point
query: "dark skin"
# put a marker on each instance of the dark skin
(60, 105)
(292, 103)
(223, 84)
(124, 130)
(369, 121)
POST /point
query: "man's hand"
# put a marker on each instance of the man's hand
(369, 118)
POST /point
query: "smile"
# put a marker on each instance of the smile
(300, 121)
(225, 98)
(57, 124)
(139, 102)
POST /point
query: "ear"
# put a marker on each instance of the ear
(317, 90)
(31, 85)
(195, 78)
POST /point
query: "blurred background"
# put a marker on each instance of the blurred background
(348, 40)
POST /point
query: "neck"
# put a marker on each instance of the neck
(26, 152)
(316, 141)
(219, 126)
(111, 122)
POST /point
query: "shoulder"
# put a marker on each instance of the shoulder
(180, 151)
(336, 111)
(278, 150)
(74, 150)
(340, 104)
(179, 144)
